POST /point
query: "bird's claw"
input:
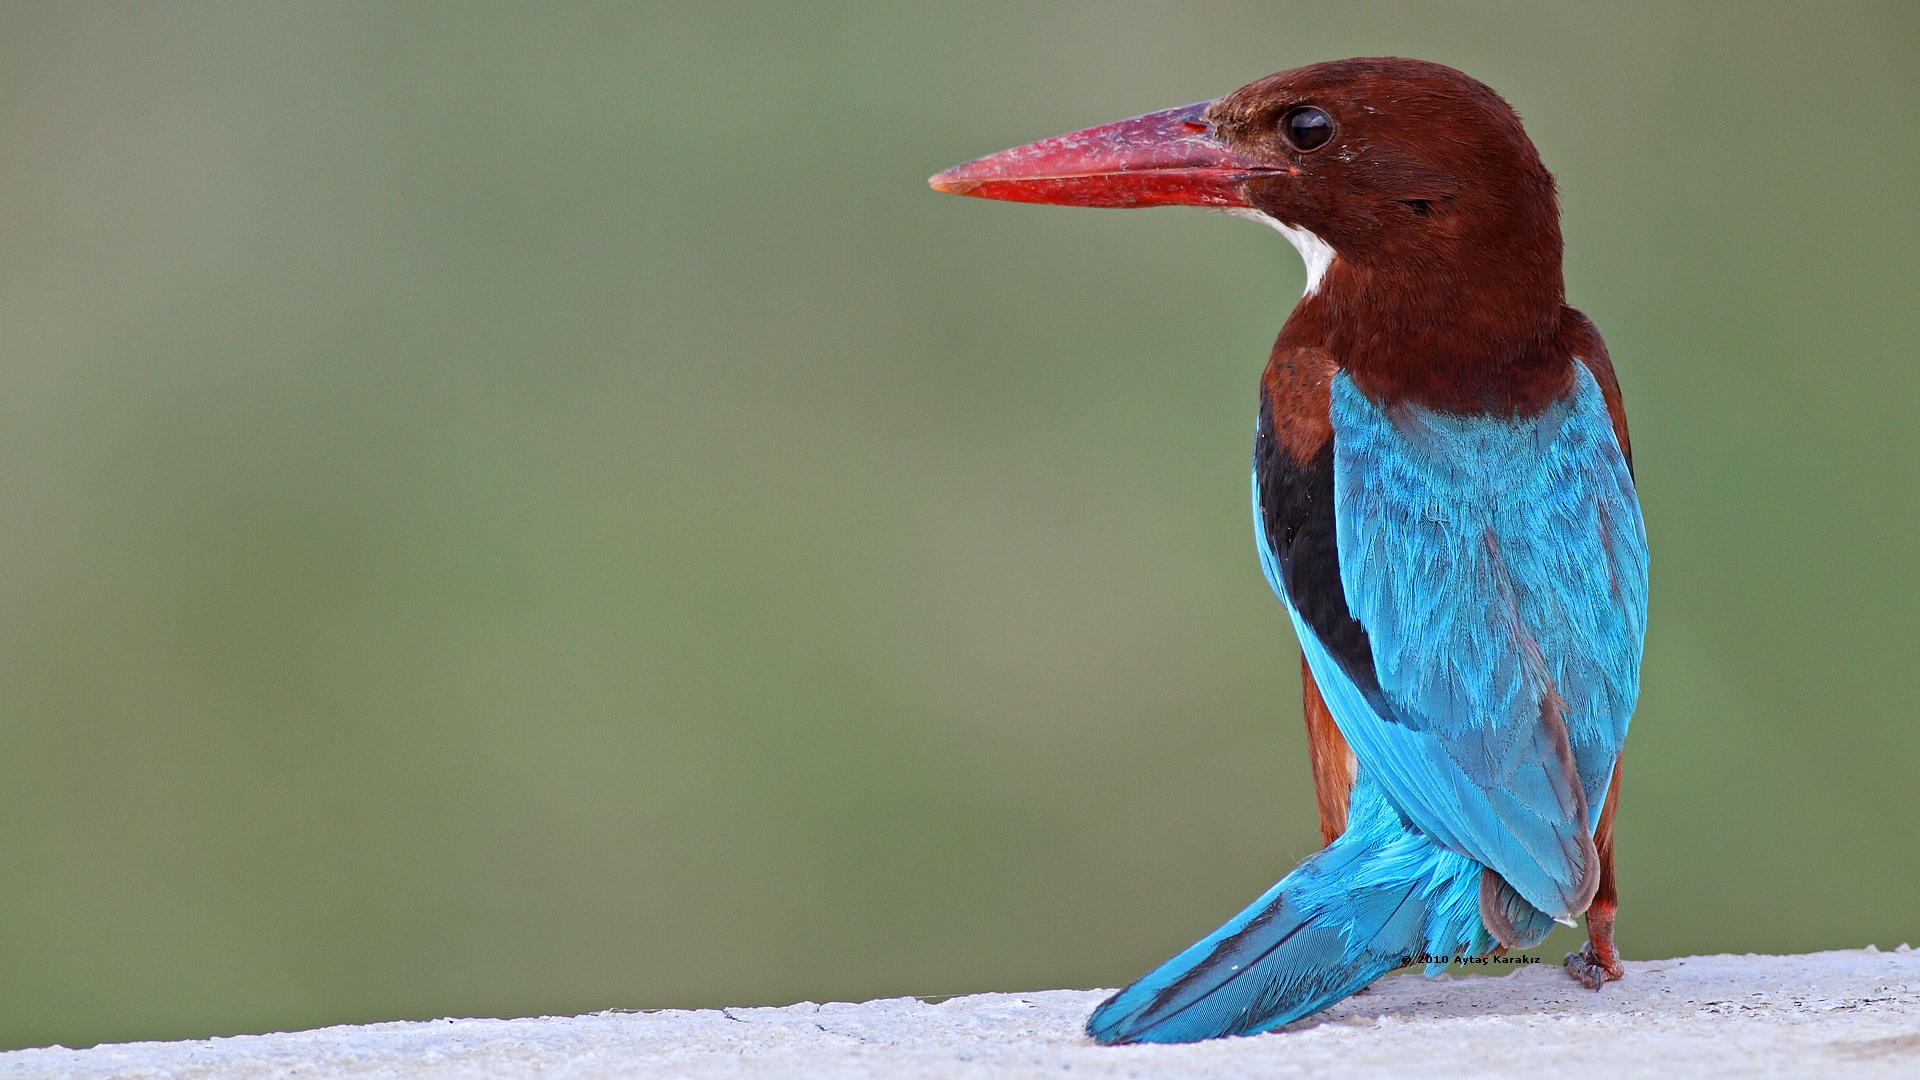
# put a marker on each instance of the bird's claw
(1591, 970)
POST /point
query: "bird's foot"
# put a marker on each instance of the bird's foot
(1594, 966)
(1598, 962)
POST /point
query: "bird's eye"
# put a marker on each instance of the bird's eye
(1307, 128)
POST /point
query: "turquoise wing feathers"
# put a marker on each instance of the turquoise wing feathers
(1470, 595)
(1499, 570)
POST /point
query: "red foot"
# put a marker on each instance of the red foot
(1597, 963)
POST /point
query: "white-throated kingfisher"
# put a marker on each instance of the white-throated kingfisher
(1442, 500)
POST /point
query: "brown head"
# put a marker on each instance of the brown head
(1428, 223)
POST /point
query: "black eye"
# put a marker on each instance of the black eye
(1307, 128)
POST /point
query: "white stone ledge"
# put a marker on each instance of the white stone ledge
(1845, 1014)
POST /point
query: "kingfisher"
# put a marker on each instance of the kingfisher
(1443, 500)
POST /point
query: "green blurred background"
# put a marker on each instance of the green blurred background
(537, 509)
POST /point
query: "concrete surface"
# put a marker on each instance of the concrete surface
(1833, 1014)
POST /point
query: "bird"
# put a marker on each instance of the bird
(1443, 501)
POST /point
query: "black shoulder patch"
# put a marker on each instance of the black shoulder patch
(1296, 514)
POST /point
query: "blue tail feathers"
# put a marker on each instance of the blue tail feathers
(1380, 896)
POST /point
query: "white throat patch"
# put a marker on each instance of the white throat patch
(1315, 252)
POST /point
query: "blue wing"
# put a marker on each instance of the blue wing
(1498, 569)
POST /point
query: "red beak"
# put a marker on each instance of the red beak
(1168, 158)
